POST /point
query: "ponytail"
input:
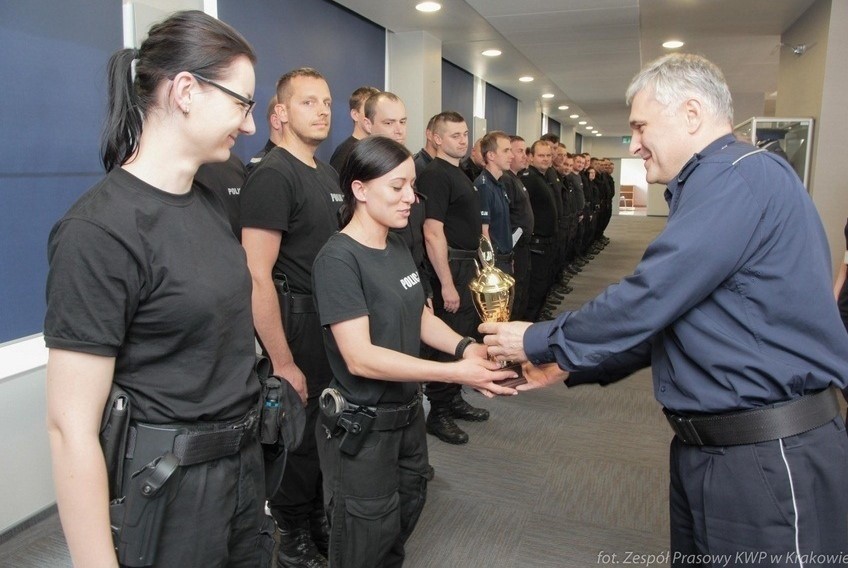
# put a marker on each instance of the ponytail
(123, 121)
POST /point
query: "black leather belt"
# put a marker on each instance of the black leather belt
(772, 422)
(504, 257)
(460, 254)
(392, 418)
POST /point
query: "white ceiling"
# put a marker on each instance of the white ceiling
(586, 51)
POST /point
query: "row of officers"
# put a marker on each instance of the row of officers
(353, 277)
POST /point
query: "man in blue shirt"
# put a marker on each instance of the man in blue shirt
(496, 151)
(731, 307)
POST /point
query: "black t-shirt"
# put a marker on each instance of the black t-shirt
(159, 282)
(351, 281)
(453, 200)
(341, 153)
(284, 194)
(520, 212)
(579, 196)
(542, 200)
(225, 180)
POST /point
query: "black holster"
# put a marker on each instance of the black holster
(284, 296)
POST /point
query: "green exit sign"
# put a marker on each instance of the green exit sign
(625, 139)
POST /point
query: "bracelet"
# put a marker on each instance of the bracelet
(462, 346)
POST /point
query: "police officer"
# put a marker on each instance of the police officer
(496, 151)
(744, 370)
(357, 115)
(289, 208)
(371, 436)
(546, 204)
(521, 221)
(452, 232)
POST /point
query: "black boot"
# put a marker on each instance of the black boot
(460, 409)
(296, 548)
(319, 529)
(441, 425)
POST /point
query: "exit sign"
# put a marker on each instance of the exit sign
(625, 139)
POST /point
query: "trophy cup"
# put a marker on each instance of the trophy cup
(493, 292)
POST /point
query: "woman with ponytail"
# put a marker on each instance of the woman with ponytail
(370, 301)
(148, 292)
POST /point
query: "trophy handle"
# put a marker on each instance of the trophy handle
(486, 252)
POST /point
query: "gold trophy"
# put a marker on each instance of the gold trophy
(493, 291)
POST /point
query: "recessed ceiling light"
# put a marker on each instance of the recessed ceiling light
(563, 107)
(574, 116)
(428, 7)
(548, 96)
(582, 122)
(594, 132)
(492, 52)
(673, 44)
(598, 134)
(525, 79)
(590, 128)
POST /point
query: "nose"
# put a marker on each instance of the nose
(248, 126)
(635, 144)
(408, 194)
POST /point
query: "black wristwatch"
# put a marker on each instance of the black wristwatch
(462, 346)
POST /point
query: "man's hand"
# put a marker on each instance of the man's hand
(451, 298)
(505, 340)
(293, 374)
(541, 375)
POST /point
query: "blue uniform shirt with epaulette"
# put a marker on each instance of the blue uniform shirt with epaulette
(731, 305)
(494, 211)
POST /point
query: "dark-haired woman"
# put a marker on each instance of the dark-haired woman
(371, 438)
(148, 288)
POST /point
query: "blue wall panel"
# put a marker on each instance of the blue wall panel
(501, 110)
(54, 96)
(347, 49)
(458, 91)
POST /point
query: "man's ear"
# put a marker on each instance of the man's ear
(282, 113)
(694, 114)
(367, 126)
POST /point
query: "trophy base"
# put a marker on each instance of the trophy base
(514, 382)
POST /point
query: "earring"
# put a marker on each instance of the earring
(185, 111)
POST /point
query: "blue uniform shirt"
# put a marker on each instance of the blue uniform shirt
(495, 211)
(731, 305)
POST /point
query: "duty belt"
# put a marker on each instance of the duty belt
(536, 240)
(779, 420)
(391, 418)
(201, 442)
(460, 254)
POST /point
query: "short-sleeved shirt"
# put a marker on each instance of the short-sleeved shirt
(542, 200)
(520, 211)
(453, 200)
(225, 179)
(284, 194)
(351, 281)
(341, 153)
(159, 282)
(494, 211)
